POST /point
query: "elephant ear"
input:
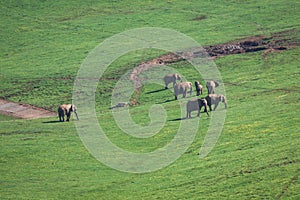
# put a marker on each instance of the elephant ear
(201, 102)
(216, 83)
(221, 98)
(72, 108)
(178, 77)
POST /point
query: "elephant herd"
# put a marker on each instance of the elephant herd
(195, 104)
(180, 88)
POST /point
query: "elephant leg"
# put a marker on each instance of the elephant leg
(184, 93)
(207, 113)
(216, 105)
(68, 116)
(206, 109)
(198, 115)
(62, 117)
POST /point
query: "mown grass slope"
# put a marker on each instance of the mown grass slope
(257, 154)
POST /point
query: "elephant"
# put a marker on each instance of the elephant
(171, 78)
(215, 99)
(199, 88)
(211, 85)
(66, 109)
(182, 88)
(120, 104)
(196, 104)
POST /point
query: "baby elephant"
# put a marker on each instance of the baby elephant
(171, 78)
(196, 104)
(66, 109)
(182, 88)
(215, 99)
(198, 87)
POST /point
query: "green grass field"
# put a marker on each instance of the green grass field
(43, 44)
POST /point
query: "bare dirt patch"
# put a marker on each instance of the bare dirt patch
(275, 43)
(24, 111)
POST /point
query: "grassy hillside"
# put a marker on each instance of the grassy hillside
(257, 155)
(44, 43)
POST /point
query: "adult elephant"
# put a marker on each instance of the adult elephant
(171, 78)
(211, 85)
(182, 88)
(196, 104)
(66, 109)
(215, 99)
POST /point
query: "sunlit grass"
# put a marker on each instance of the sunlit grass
(42, 47)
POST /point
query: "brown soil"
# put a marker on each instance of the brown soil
(24, 111)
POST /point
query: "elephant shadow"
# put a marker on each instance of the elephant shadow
(155, 91)
(177, 119)
(51, 122)
(166, 101)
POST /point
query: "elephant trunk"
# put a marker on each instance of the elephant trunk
(76, 115)
(225, 102)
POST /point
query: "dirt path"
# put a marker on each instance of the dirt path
(24, 111)
(274, 43)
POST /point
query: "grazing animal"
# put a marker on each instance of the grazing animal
(215, 99)
(66, 109)
(211, 85)
(171, 78)
(121, 104)
(199, 88)
(196, 104)
(182, 88)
